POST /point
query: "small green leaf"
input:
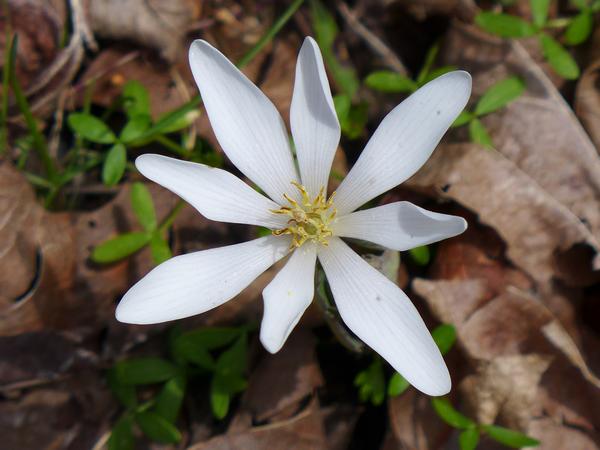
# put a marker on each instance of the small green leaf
(157, 428)
(539, 11)
(444, 337)
(559, 58)
(397, 385)
(391, 82)
(450, 415)
(135, 128)
(468, 439)
(354, 125)
(233, 360)
(177, 123)
(91, 128)
(219, 401)
(371, 383)
(508, 437)
(160, 249)
(209, 338)
(580, 28)
(420, 255)
(479, 134)
(119, 247)
(136, 100)
(504, 25)
(143, 206)
(114, 165)
(145, 371)
(123, 392)
(499, 95)
(342, 104)
(121, 437)
(427, 64)
(463, 118)
(168, 401)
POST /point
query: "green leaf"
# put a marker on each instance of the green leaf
(169, 400)
(121, 437)
(448, 414)
(444, 337)
(219, 401)
(160, 249)
(119, 247)
(354, 124)
(508, 437)
(179, 122)
(147, 370)
(397, 385)
(136, 100)
(114, 165)
(123, 392)
(387, 81)
(91, 128)
(233, 360)
(420, 255)
(135, 128)
(342, 104)
(559, 58)
(580, 28)
(371, 383)
(157, 428)
(462, 119)
(539, 11)
(468, 439)
(209, 338)
(504, 25)
(479, 134)
(499, 95)
(143, 206)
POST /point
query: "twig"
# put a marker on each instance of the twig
(387, 54)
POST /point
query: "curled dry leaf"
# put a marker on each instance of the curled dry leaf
(535, 225)
(538, 132)
(154, 23)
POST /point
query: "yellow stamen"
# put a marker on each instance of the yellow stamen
(310, 220)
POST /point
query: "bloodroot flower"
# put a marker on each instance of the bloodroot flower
(304, 222)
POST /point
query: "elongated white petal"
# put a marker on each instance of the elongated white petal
(399, 226)
(215, 193)
(404, 140)
(380, 314)
(287, 297)
(314, 122)
(245, 121)
(194, 283)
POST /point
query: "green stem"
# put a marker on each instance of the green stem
(166, 224)
(39, 143)
(172, 145)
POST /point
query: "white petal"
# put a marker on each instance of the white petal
(287, 297)
(399, 226)
(246, 123)
(194, 283)
(381, 315)
(404, 140)
(215, 193)
(314, 122)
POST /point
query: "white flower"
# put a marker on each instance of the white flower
(304, 222)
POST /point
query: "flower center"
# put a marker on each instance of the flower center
(310, 220)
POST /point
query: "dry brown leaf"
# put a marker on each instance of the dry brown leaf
(534, 225)
(302, 432)
(159, 25)
(281, 382)
(557, 435)
(538, 132)
(504, 389)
